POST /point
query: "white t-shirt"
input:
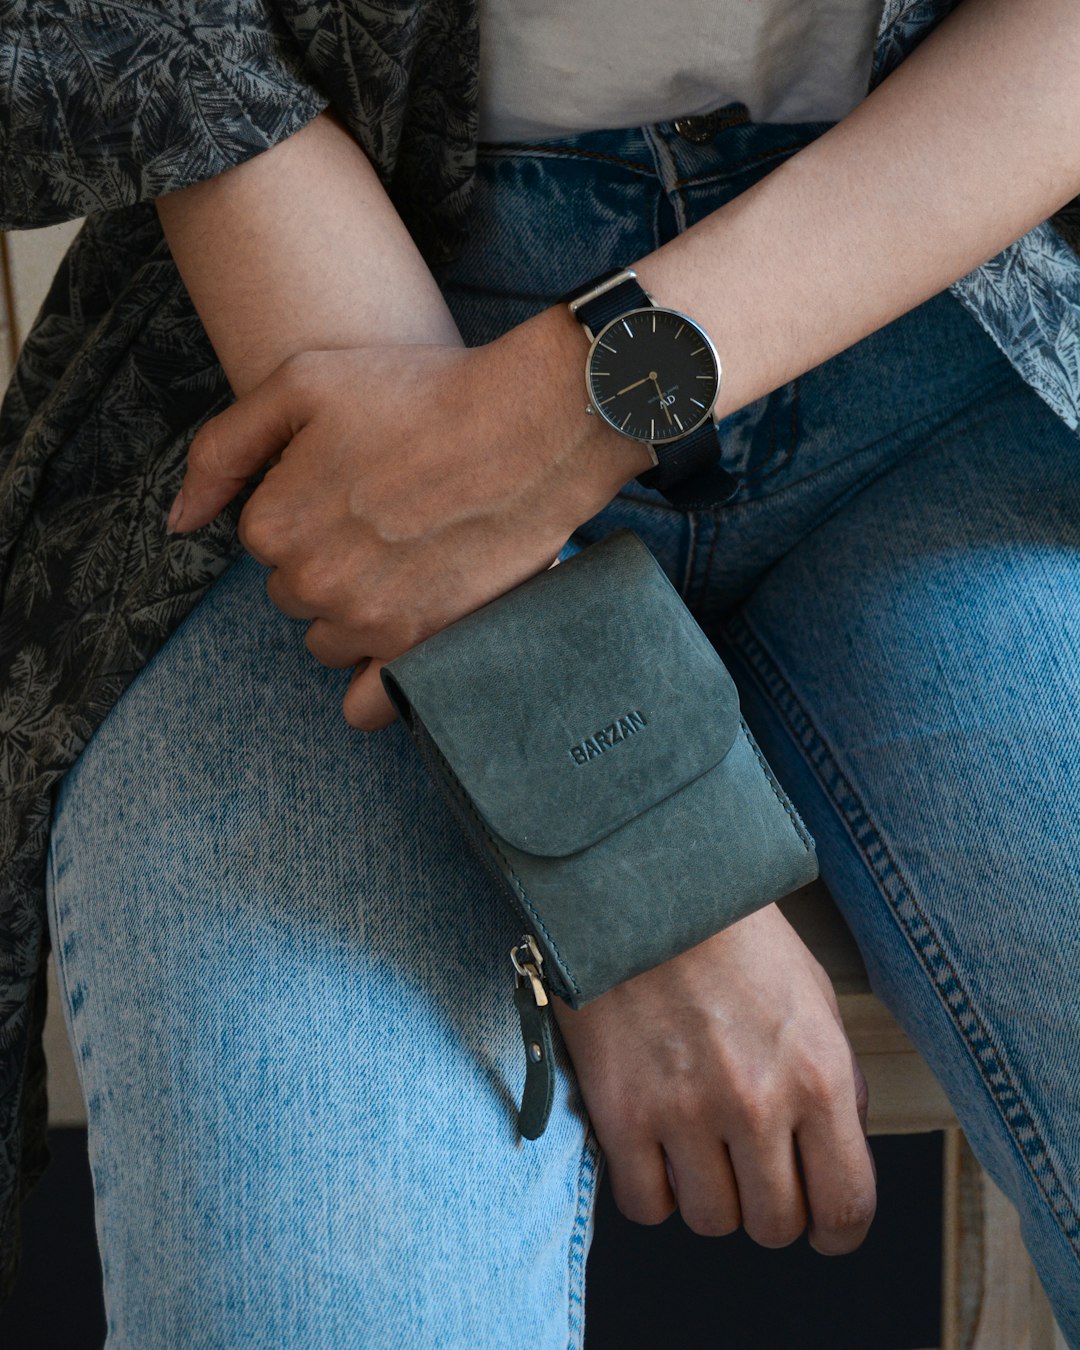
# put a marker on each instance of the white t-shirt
(555, 67)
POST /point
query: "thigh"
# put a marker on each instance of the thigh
(289, 991)
(912, 669)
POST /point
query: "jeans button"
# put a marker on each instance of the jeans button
(703, 127)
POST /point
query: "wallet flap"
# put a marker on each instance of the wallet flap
(574, 702)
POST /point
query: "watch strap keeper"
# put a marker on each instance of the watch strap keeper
(597, 313)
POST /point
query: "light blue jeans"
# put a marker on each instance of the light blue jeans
(287, 981)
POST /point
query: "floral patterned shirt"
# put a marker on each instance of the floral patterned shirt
(105, 105)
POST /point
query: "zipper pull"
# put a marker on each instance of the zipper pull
(534, 1010)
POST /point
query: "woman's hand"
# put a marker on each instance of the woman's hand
(412, 484)
(722, 1082)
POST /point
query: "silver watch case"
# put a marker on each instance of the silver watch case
(594, 342)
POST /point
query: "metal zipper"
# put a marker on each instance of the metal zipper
(534, 1011)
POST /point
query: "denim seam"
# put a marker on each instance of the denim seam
(735, 166)
(914, 922)
(707, 565)
(693, 526)
(731, 167)
(58, 952)
(931, 423)
(667, 171)
(511, 148)
(63, 981)
(576, 1253)
(657, 195)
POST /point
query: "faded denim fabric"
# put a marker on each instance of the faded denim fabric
(285, 975)
(117, 374)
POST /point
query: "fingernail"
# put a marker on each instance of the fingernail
(175, 512)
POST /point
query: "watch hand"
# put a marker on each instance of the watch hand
(661, 394)
(651, 376)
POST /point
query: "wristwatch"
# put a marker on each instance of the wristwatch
(653, 374)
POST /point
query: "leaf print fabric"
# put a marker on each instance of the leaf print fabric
(105, 105)
(110, 103)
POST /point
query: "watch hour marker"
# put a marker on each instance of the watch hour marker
(605, 346)
(624, 421)
(698, 349)
(704, 377)
(628, 328)
(608, 372)
(698, 402)
(677, 419)
(679, 329)
(654, 323)
(652, 428)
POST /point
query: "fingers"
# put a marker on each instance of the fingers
(365, 704)
(771, 1182)
(838, 1169)
(333, 645)
(285, 598)
(639, 1181)
(230, 447)
(718, 1185)
(770, 1187)
(704, 1185)
(777, 1188)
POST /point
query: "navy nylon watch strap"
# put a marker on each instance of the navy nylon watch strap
(689, 472)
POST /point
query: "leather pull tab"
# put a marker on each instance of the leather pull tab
(539, 1090)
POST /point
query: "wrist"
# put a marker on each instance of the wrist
(735, 944)
(544, 357)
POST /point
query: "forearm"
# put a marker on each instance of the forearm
(969, 143)
(300, 248)
(966, 146)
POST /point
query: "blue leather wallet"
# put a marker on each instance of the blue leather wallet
(588, 739)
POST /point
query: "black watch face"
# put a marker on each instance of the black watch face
(653, 374)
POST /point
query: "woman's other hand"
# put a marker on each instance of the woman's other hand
(412, 479)
(410, 484)
(722, 1083)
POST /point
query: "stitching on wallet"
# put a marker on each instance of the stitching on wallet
(465, 800)
(781, 795)
(1005, 1094)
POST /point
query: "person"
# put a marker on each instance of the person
(285, 978)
